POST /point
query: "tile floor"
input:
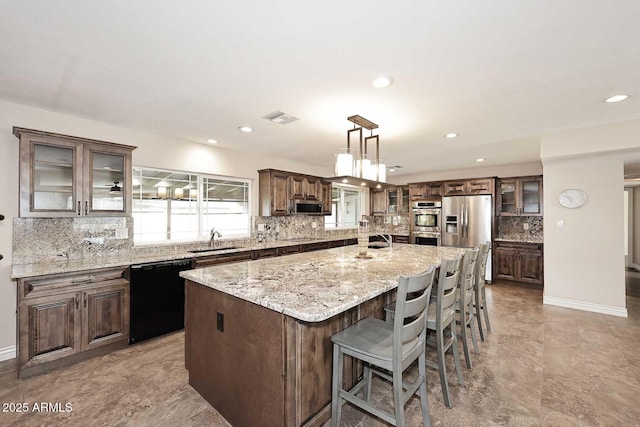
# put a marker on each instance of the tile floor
(541, 366)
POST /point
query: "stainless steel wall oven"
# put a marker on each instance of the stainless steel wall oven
(426, 222)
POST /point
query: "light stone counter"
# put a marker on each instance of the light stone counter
(315, 286)
(143, 256)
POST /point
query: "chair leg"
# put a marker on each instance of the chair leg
(478, 317)
(472, 326)
(456, 355)
(424, 402)
(442, 367)
(463, 336)
(398, 401)
(336, 386)
(486, 310)
(367, 388)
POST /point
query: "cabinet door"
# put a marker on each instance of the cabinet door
(418, 191)
(107, 181)
(480, 186)
(508, 197)
(393, 200)
(530, 266)
(50, 177)
(279, 194)
(453, 188)
(105, 314)
(531, 196)
(378, 202)
(311, 186)
(50, 328)
(505, 263)
(403, 194)
(325, 196)
(435, 190)
(297, 184)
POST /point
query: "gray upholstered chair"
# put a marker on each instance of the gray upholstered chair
(480, 291)
(389, 346)
(464, 303)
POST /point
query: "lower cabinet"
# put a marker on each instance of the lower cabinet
(64, 318)
(519, 262)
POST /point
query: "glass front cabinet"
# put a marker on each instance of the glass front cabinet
(66, 176)
(520, 196)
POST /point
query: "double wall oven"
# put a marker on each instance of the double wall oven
(426, 222)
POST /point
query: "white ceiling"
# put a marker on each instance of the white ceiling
(499, 73)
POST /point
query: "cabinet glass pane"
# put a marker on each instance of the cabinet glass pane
(530, 197)
(53, 178)
(405, 200)
(108, 181)
(393, 201)
(508, 197)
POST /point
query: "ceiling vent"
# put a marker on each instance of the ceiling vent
(281, 118)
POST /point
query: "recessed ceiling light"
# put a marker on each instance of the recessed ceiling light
(451, 135)
(363, 183)
(212, 141)
(245, 129)
(378, 186)
(617, 98)
(480, 160)
(381, 82)
(392, 170)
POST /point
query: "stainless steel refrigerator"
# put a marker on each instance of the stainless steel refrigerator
(467, 222)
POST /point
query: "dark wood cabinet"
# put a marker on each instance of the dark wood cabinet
(418, 191)
(519, 196)
(468, 187)
(519, 262)
(67, 176)
(397, 200)
(378, 201)
(434, 190)
(68, 317)
(277, 188)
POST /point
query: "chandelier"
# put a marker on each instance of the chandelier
(360, 164)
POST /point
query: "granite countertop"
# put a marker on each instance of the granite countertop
(517, 240)
(69, 266)
(315, 286)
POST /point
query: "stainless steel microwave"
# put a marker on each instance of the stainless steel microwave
(305, 207)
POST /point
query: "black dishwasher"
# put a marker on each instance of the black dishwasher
(156, 298)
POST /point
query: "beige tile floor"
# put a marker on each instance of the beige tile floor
(541, 366)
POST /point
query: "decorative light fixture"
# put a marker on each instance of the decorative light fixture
(371, 171)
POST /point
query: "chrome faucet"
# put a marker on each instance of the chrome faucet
(214, 233)
(387, 238)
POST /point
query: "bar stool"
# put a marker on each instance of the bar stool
(389, 346)
(464, 303)
(480, 292)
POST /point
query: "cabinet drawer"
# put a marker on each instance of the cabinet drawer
(336, 243)
(221, 259)
(290, 250)
(315, 246)
(400, 239)
(265, 253)
(57, 283)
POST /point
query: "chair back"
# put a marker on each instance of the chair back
(412, 303)
(468, 276)
(481, 265)
(447, 283)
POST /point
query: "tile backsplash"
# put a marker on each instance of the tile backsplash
(512, 227)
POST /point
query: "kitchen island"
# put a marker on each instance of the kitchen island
(257, 333)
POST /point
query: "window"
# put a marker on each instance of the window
(180, 206)
(346, 207)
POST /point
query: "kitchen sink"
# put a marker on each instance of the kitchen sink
(197, 251)
(378, 245)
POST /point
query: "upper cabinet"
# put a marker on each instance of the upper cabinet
(276, 190)
(65, 176)
(459, 187)
(391, 201)
(521, 196)
(426, 190)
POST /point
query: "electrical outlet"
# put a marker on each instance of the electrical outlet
(260, 227)
(560, 223)
(525, 225)
(314, 224)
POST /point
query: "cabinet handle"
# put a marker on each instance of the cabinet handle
(78, 207)
(85, 300)
(77, 300)
(86, 207)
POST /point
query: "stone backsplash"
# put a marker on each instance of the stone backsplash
(60, 239)
(392, 224)
(512, 227)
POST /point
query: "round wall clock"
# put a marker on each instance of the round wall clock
(572, 198)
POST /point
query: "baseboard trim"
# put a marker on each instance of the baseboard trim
(586, 306)
(8, 353)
